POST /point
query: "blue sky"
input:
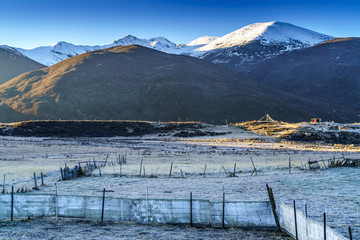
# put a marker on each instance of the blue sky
(31, 23)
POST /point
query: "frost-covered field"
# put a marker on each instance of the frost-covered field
(75, 229)
(333, 190)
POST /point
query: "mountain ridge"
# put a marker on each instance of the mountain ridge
(13, 63)
(205, 47)
(135, 82)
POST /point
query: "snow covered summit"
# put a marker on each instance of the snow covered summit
(268, 33)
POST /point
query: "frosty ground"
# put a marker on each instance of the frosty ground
(332, 190)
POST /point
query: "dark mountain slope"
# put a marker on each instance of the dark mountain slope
(134, 82)
(328, 73)
(13, 63)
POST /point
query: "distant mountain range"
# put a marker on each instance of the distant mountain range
(134, 82)
(248, 44)
(289, 72)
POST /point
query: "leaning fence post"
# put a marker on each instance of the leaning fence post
(12, 203)
(350, 234)
(296, 231)
(171, 166)
(191, 211)
(103, 205)
(223, 211)
(254, 171)
(273, 207)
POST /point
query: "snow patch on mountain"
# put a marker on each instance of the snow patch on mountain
(11, 49)
(202, 41)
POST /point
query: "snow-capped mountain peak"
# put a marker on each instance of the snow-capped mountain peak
(268, 33)
(59, 44)
(127, 40)
(161, 41)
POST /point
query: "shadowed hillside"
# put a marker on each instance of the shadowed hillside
(327, 74)
(134, 82)
(12, 64)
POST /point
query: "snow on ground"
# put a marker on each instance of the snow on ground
(202, 41)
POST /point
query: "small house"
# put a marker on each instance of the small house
(315, 120)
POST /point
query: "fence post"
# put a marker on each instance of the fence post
(12, 203)
(289, 165)
(223, 211)
(147, 205)
(296, 231)
(140, 168)
(4, 185)
(36, 187)
(205, 170)
(191, 211)
(42, 179)
(62, 174)
(120, 169)
(324, 226)
(170, 170)
(56, 211)
(103, 205)
(306, 222)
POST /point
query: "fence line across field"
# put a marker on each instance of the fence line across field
(195, 212)
(249, 214)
